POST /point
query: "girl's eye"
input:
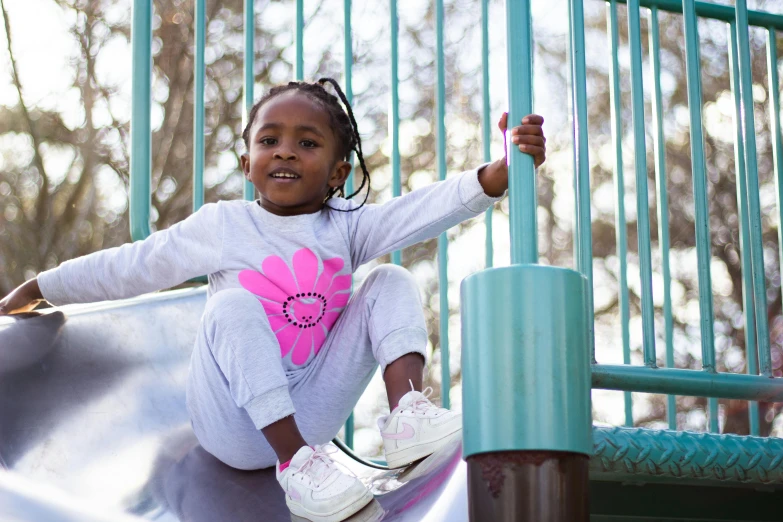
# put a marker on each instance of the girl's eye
(267, 141)
(309, 144)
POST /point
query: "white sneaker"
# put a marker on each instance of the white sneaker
(416, 428)
(316, 490)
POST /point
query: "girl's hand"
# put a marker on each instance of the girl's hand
(529, 137)
(23, 299)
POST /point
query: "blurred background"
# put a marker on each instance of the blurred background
(65, 85)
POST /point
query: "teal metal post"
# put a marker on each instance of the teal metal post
(394, 117)
(699, 173)
(583, 237)
(443, 242)
(299, 40)
(663, 205)
(486, 127)
(752, 184)
(199, 71)
(140, 128)
(774, 118)
(742, 207)
(530, 360)
(642, 204)
(619, 184)
(523, 201)
(348, 41)
(249, 190)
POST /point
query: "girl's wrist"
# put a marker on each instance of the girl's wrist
(494, 178)
(33, 290)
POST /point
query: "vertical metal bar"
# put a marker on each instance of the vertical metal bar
(583, 242)
(703, 246)
(141, 130)
(744, 231)
(659, 142)
(299, 39)
(249, 190)
(349, 431)
(774, 118)
(642, 203)
(619, 184)
(394, 116)
(443, 244)
(752, 184)
(486, 127)
(348, 41)
(199, 70)
(521, 170)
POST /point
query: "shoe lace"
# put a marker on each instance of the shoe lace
(422, 402)
(320, 465)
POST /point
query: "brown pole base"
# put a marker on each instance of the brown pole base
(528, 486)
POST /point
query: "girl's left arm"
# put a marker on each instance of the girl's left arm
(424, 213)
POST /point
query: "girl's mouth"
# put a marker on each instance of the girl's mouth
(284, 180)
(284, 176)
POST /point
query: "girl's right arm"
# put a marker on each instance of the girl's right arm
(166, 258)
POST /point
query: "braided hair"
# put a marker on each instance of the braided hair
(343, 125)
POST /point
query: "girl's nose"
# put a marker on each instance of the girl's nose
(285, 154)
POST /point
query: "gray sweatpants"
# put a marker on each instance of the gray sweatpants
(238, 383)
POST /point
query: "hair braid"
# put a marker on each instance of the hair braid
(358, 146)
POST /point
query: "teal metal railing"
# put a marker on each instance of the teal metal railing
(754, 292)
(758, 385)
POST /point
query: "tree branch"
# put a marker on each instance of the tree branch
(37, 157)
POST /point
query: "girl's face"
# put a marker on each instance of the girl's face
(292, 159)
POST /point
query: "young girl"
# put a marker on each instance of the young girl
(283, 351)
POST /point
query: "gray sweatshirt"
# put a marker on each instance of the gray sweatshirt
(304, 261)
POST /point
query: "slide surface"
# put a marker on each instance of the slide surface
(93, 427)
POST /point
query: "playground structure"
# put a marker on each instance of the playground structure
(92, 398)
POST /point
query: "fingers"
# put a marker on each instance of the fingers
(503, 123)
(529, 136)
(525, 140)
(533, 119)
(534, 130)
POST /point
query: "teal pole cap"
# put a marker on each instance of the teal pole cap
(526, 360)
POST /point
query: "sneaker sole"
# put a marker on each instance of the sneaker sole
(402, 458)
(337, 516)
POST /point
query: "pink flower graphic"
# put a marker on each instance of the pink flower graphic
(301, 309)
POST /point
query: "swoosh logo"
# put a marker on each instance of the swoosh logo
(294, 494)
(406, 433)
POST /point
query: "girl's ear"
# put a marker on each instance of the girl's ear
(244, 160)
(339, 174)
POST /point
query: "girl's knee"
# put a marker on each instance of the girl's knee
(231, 303)
(390, 272)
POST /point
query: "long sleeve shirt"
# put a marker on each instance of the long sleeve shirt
(299, 262)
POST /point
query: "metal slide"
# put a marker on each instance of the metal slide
(93, 427)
